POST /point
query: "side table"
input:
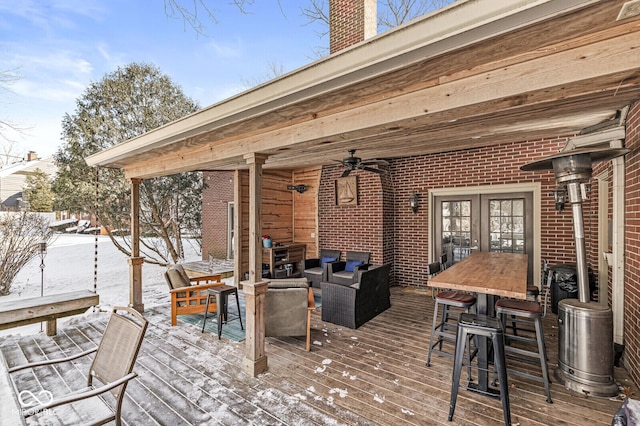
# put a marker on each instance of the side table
(222, 295)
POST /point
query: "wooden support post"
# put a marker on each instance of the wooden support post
(135, 261)
(238, 226)
(52, 327)
(255, 359)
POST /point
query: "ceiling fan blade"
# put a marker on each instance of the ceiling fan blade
(375, 162)
(346, 173)
(371, 169)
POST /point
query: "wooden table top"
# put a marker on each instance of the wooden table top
(500, 274)
(199, 268)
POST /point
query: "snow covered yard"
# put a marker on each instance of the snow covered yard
(69, 266)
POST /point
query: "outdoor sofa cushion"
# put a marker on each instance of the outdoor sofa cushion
(315, 269)
(350, 265)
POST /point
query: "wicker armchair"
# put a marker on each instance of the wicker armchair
(355, 304)
(347, 272)
(315, 270)
(187, 298)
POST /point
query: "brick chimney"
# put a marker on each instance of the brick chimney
(350, 22)
(31, 155)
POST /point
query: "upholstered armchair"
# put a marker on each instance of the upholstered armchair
(287, 308)
(315, 270)
(189, 294)
(355, 304)
(346, 272)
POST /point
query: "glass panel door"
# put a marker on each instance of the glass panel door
(456, 226)
(506, 226)
(487, 222)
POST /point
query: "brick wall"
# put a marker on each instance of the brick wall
(350, 21)
(384, 224)
(215, 200)
(632, 246)
(366, 226)
(475, 167)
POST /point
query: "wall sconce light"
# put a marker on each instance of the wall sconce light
(413, 202)
(560, 197)
(300, 188)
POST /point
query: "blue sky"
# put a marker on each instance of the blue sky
(58, 47)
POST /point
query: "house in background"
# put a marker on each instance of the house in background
(13, 180)
(217, 215)
(456, 102)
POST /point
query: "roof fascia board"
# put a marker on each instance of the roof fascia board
(597, 138)
(460, 24)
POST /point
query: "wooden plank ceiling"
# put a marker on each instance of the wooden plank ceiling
(550, 77)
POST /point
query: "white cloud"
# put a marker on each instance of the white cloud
(62, 62)
(227, 49)
(47, 91)
(41, 134)
(50, 15)
(56, 76)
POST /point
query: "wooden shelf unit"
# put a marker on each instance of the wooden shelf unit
(278, 257)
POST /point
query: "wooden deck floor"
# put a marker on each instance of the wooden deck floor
(373, 375)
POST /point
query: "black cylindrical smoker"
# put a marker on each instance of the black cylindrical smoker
(585, 337)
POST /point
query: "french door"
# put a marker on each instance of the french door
(499, 222)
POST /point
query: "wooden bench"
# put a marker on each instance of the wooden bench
(14, 313)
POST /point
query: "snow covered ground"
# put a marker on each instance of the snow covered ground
(69, 266)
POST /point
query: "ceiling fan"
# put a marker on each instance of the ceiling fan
(352, 163)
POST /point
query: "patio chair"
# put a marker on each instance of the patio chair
(287, 309)
(315, 270)
(187, 298)
(347, 272)
(112, 366)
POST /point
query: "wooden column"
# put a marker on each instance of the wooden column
(135, 261)
(238, 225)
(255, 359)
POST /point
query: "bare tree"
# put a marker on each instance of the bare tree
(391, 13)
(274, 69)
(7, 78)
(20, 237)
(397, 12)
(191, 11)
(9, 152)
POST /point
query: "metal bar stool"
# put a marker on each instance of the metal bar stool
(222, 295)
(445, 329)
(471, 325)
(525, 312)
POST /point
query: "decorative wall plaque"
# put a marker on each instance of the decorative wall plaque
(347, 191)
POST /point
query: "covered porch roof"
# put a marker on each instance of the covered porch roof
(476, 73)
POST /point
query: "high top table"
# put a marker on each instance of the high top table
(488, 274)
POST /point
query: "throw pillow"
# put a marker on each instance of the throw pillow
(352, 264)
(326, 260)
